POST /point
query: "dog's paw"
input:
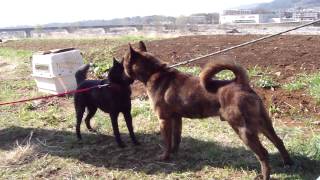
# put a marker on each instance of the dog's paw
(122, 145)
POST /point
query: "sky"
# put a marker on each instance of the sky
(37, 12)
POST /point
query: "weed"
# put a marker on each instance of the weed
(298, 83)
(225, 75)
(255, 71)
(266, 81)
(274, 109)
(99, 69)
(262, 77)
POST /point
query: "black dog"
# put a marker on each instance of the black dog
(113, 99)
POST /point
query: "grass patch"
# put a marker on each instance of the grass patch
(208, 150)
(314, 147)
(300, 82)
(193, 70)
(314, 86)
(225, 75)
(10, 53)
(13, 89)
(263, 78)
(134, 39)
(309, 82)
(255, 71)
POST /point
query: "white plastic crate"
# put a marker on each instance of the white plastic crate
(54, 70)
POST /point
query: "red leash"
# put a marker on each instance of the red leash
(50, 96)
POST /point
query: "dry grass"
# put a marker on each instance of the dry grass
(22, 153)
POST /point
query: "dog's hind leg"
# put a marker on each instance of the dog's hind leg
(91, 112)
(270, 133)
(166, 132)
(272, 136)
(128, 119)
(79, 115)
(251, 139)
(114, 121)
(176, 134)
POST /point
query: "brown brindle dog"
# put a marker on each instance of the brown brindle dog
(175, 95)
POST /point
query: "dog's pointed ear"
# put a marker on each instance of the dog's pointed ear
(142, 46)
(133, 53)
(115, 61)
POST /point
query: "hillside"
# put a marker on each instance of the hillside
(287, 4)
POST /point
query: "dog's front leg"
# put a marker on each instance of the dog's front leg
(79, 114)
(128, 119)
(115, 127)
(176, 134)
(166, 132)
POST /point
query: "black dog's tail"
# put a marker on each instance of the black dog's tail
(81, 74)
(241, 76)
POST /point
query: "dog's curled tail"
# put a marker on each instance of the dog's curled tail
(212, 69)
(81, 73)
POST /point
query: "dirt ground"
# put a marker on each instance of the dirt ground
(209, 150)
(285, 55)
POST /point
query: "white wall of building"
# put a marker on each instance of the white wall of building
(240, 19)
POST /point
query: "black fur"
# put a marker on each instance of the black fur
(112, 99)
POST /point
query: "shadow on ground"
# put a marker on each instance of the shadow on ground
(102, 151)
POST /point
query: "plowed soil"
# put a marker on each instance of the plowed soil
(285, 55)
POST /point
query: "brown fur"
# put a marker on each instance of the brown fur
(175, 95)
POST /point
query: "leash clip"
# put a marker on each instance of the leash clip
(102, 85)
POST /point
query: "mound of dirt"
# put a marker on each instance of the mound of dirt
(287, 55)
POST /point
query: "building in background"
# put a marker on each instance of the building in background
(246, 17)
(285, 17)
(197, 19)
(306, 15)
(204, 18)
(259, 16)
